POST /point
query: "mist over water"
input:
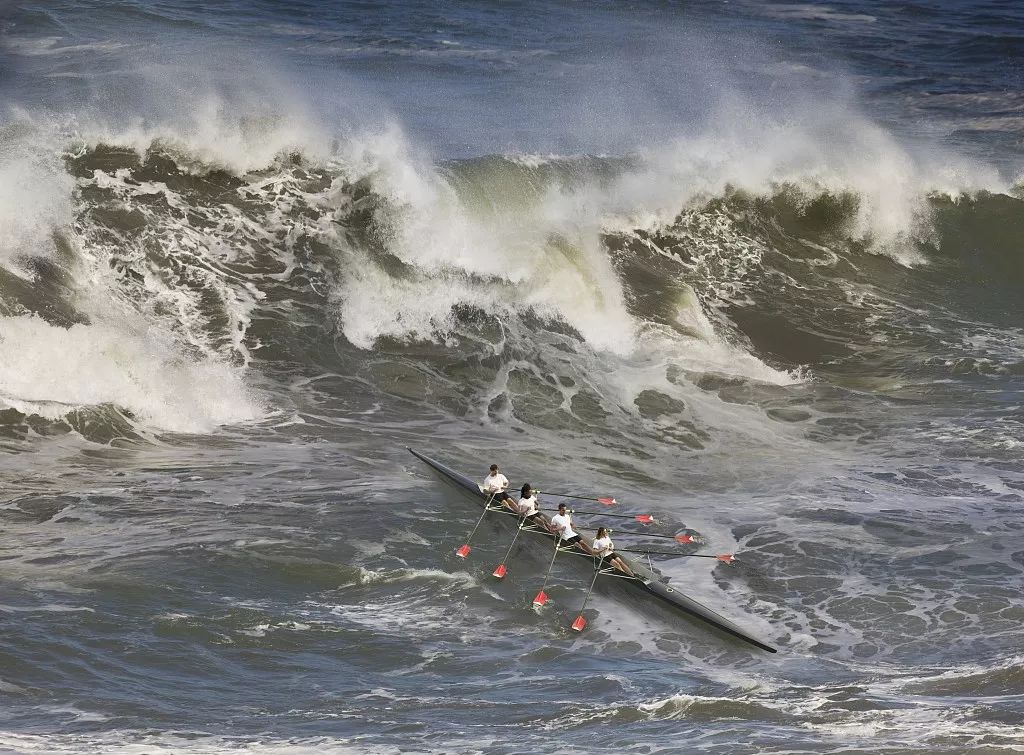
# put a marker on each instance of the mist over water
(754, 269)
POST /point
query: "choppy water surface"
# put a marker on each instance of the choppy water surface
(755, 269)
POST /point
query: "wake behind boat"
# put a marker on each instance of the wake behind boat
(645, 580)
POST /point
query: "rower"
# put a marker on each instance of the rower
(606, 550)
(527, 507)
(495, 485)
(561, 525)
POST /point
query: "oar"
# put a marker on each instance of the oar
(499, 572)
(726, 558)
(463, 551)
(542, 597)
(642, 518)
(684, 539)
(581, 622)
(606, 500)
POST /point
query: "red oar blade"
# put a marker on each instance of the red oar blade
(463, 551)
(607, 501)
(540, 599)
(726, 558)
(644, 519)
(499, 572)
(684, 539)
(579, 623)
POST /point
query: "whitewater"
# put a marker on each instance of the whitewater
(752, 268)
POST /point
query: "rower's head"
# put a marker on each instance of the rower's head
(602, 532)
(561, 508)
(494, 469)
(526, 491)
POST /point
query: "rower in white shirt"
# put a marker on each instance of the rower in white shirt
(605, 548)
(561, 525)
(496, 485)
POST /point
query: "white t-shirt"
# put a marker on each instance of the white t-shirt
(603, 546)
(495, 483)
(563, 525)
(528, 506)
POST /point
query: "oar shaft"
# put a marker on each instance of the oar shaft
(599, 513)
(646, 534)
(514, 538)
(580, 621)
(558, 543)
(593, 582)
(464, 549)
(666, 553)
(487, 507)
(577, 497)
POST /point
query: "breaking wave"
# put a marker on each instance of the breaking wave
(165, 273)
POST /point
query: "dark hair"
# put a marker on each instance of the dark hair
(601, 530)
(494, 467)
(561, 505)
(525, 490)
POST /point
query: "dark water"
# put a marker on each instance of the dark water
(753, 268)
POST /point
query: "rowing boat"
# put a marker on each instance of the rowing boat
(646, 581)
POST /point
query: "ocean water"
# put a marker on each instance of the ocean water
(754, 268)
